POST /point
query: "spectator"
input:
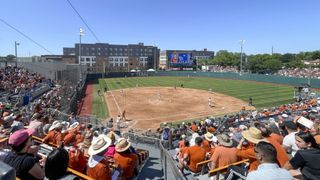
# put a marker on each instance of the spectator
(77, 160)
(182, 140)
(98, 167)
(269, 166)
(208, 139)
(54, 136)
(126, 160)
(193, 139)
(88, 136)
(289, 141)
(224, 154)
(192, 156)
(70, 138)
(25, 164)
(57, 164)
(194, 127)
(111, 149)
(182, 151)
(307, 159)
(253, 136)
(281, 153)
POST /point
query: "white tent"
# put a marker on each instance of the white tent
(133, 70)
(150, 70)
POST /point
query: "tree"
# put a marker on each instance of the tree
(225, 58)
(10, 57)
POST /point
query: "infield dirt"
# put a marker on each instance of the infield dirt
(148, 107)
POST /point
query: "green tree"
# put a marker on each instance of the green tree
(10, 57)
(225, 58)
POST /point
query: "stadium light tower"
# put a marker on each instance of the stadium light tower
(241, 43)
(81, 34)
(16, 44)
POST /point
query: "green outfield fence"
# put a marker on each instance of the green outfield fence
(294, 81)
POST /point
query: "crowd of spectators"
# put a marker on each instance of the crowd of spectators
(300, 72)
(217, 68)
(274, 140)
(98, 152)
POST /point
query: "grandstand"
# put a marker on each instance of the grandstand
(176, 110)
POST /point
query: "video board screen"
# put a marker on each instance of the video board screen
(181, 59)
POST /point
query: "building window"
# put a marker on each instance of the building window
(110, 49)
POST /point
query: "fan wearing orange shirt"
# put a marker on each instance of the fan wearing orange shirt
(54, 136)
(194, 127)
(98, 167)
(224, 154)
(192, 156)
(253, 136)
(126, 160)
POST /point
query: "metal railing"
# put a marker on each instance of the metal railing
(169, 167)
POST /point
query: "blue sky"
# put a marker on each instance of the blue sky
(290, 26)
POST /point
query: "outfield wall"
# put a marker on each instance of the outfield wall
(294, 81)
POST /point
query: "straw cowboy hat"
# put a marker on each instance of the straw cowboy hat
(122, 145)
(224, 140)
(73, 126)
(210, 137)
(55, 124)
(253, 135)
(99, 145)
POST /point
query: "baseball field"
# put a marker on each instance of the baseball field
(157, 99)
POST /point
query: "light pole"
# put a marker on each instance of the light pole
(241, 43)
(16, 44)
(81, 34)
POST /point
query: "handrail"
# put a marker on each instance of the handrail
(226, 167)
(3, 140)
(203, 163)
(40, 140)
(79, 174)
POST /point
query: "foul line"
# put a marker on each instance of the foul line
(114, 99)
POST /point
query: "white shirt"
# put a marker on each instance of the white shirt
(269, 171)
(290, 141)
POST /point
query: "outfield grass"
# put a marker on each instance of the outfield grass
(99, 107)
(263, 94)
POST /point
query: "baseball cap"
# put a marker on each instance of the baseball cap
(20, 136)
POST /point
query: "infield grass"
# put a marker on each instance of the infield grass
(263, 94)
